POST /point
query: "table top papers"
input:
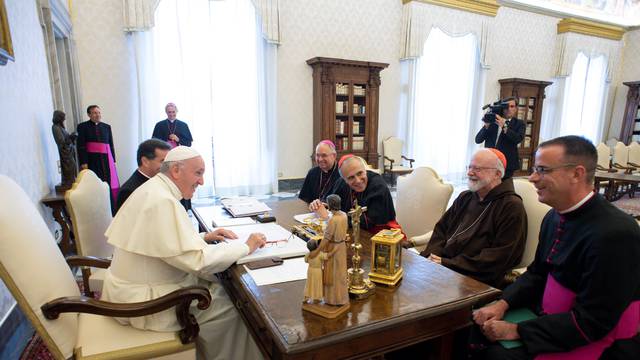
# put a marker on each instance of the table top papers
(244, 206)
(290, 270)
(280, 242)
(217, 216)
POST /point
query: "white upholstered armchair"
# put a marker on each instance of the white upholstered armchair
(89, 206)
(74, 326)
(421, 201)
(535, 213)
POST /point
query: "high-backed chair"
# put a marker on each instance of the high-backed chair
(89, 206)
(422, 199)
(604, 158)
(620, 158)
(535, 213)
(393, 158)
(36, 274)
(634, 155)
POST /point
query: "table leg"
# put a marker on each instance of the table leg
(66, 244)
(443, 347)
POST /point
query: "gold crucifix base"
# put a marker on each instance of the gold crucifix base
(359, 288)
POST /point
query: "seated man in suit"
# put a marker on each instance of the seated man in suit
(368, 188)
(483, 233)
(320, 180)
(585, 279)
(504, 134)
(150, 156)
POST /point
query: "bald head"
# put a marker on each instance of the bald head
(325, 155)
(354, 172)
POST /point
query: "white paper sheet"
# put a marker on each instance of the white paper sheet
(290, 270)
(308, 217)
(217, 216)
(294, 246)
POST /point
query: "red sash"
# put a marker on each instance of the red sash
(557, 299)
(102, 148)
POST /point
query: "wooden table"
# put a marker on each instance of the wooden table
(59, 209)
(430, 304)
(619, 184)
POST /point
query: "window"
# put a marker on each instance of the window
(439, 134)
(209, 58)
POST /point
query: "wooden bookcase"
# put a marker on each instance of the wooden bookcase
(530, 94)
(345, 105)
(631, 121)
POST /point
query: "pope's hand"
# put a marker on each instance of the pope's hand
(219, 235)
(255, 241)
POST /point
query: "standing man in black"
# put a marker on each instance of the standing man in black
(172, 130)
(505, 134)
(151, 154)
(96, 152)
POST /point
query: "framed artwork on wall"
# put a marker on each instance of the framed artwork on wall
(6, 48)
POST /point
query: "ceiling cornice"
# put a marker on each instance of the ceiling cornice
(483, 7)
(591, 28)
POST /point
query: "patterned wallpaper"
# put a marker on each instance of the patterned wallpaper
(358, 30)
(107, 74)
(28, 153)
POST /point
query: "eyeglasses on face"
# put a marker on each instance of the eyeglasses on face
(542, 170)
(479, 168)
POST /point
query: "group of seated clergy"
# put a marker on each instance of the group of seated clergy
(585, 280)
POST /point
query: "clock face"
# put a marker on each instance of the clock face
(382, 258)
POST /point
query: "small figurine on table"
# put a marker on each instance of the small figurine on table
(333, 253)
(66, 150)
(313, 287)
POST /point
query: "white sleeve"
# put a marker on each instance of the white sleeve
(212, 259)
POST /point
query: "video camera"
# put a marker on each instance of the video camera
(498, 108)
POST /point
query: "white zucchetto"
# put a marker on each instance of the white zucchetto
(181, 153)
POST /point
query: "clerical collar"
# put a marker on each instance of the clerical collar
(580, 203)
(143, 174)
(172, 121)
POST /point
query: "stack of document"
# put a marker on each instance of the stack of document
(244, 206)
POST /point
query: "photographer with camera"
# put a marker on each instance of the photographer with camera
(503, 131)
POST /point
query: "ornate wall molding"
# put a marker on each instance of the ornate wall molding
(484, 7)
(591, 28)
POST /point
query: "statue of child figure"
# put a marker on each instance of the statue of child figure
(333, 252)
(313, 287)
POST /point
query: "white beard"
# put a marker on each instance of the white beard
(475, 185)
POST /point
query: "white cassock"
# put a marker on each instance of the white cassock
(157, 250)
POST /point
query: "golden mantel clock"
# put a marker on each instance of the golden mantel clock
(386, 257)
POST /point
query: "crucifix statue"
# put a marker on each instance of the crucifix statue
(359, 287)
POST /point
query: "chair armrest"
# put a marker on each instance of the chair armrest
(389, 160)
(180, 298)
(93, 261)
(411, 161)
(421, 239)
(633, 164)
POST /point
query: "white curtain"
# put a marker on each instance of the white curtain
(439, 103)
(575, 103)
(210, 59)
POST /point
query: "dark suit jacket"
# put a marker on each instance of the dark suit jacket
(507, 143)
(129, 186)
(161, 131)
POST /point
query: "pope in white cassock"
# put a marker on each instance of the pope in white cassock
(157, 250)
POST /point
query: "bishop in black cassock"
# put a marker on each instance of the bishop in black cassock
(321, 179)
(172, 130)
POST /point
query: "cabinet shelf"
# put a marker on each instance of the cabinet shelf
(345, 105)
(529, 95)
